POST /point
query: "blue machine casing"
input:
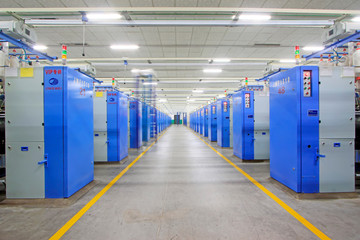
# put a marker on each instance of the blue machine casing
(294, 130)
(212, 123)
(135, 123)
(153, 125)
(145, 122)
(201, 121)
(244, 125)
(68, 121)
(223, 122)
(117, 127)
(206, 120)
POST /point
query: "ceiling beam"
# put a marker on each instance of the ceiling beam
(180, 10)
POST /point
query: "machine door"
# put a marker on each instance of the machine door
(100, 146)
(25, 177)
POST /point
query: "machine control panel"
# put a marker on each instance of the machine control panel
(213, 109)
(225, 106)
(247, 100)
(307, 83)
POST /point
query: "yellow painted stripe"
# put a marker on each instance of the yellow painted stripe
(296, 215)
(80, 213)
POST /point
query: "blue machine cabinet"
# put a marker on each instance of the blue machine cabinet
(312, 129)
(153, 124)
(223, 122)
(110, 126)
(212, 123)
(145, 122)
(49, 133)
(135, 108)
(206, 120)
(251, 125)
(201, 121)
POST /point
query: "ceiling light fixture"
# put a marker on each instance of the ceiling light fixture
(356, 19)
(212, 70)
(197, 91)
(103, 16)
(124, 47)
(163, 100)
(40, 47)
(287, 61)
(313, 48)
(254, 17)
(191, 100)
(150, 83)
(222, 60)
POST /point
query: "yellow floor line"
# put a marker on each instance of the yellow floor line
(80, 213)
(296, 215)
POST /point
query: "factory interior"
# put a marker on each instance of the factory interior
(179, 119)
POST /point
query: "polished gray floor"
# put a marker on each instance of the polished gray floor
(181, 189)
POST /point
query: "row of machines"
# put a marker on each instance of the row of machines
(215, 122)
(121, 123)
(305, 125)
(57, 124)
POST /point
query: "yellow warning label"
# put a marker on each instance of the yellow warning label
(99, 94)
(26, 72)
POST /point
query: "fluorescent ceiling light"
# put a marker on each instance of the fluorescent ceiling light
(287, 60)
(222, 60)
(40, 47)
(212, 70)
(103, 16)
(124, 47)
(163, 100)
(356, 19)
(197, 91)
(191, 100)
(221, 96)
(150, 83)
(254, 17)
(313, 48)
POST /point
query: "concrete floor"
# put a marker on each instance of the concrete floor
(181, 189)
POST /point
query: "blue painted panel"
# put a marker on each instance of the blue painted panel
(243, 127)
(123, 125)
(237, 124)
(213, 122)
(68, 120)
(153, 125)
(117, 127)
(294, 136)
(54, 131)
(113, 132)
(201, 123)
(223, 123)
(145, 122)
(135, 124)
(206, 120)
(79, 147)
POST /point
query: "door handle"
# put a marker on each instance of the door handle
(45, 161)
(318, 155)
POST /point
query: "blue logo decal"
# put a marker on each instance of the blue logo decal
(312, 113)
(53, 81)
(111, 99)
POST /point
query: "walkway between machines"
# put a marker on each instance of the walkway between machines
(181, 189)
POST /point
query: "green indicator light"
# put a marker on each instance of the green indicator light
(297, 52)
(64, 52)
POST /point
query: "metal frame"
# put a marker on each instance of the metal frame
(271, 74)
(24, 46)
(339, 43)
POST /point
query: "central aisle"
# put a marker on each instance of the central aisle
(181, 189)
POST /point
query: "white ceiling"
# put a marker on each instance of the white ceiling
(191, 43)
